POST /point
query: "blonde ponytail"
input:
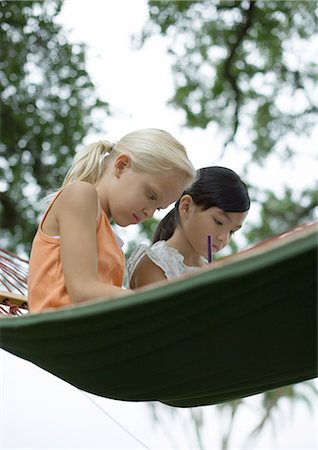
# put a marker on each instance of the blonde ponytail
(87, 164)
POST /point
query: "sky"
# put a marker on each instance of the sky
(39, 411)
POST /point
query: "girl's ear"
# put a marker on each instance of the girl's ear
(121, 163)
(186, 205)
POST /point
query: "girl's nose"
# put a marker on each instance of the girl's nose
(224, 238)
(149, 212)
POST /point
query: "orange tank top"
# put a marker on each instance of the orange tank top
(46, 283)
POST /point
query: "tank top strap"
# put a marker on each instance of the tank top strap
(49, 207)
(99, 213)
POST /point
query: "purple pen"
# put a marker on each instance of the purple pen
(209, 248)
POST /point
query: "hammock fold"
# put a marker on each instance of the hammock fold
(245, 326)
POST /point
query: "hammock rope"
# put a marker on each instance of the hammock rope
(129, 433)
(13, 273)
(13, 284)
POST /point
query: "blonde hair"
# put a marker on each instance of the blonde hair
(151, 150)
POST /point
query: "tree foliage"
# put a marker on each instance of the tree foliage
(247, 66)
(48, 103)
(235, 62)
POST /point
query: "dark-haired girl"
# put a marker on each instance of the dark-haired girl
(215, 205)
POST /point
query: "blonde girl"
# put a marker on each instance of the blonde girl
(75, 254)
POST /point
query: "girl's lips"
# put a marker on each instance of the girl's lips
(137, 219)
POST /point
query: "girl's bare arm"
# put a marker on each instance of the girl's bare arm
(76, 212)
(145, 273)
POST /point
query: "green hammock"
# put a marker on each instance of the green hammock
(245, 326)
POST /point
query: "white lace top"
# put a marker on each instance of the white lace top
(167, 258)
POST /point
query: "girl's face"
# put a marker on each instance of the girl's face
(130, 197)
(198, 224)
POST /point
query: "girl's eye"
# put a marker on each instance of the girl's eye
(218, 222)
(152, 196)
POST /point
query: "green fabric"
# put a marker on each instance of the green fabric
(222, 334)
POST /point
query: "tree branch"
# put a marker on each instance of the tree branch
(228, 74)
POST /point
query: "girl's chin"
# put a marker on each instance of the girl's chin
(124, 224)
(127, 223)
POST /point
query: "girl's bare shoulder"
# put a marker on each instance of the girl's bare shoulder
(78, 196)
(78, 193)
(79, 189)
(146, 272)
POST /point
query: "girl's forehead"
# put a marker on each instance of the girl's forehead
(171, 178)
(169, 187)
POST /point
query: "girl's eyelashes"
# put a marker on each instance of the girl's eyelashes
(152, 196)
(218, 222)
